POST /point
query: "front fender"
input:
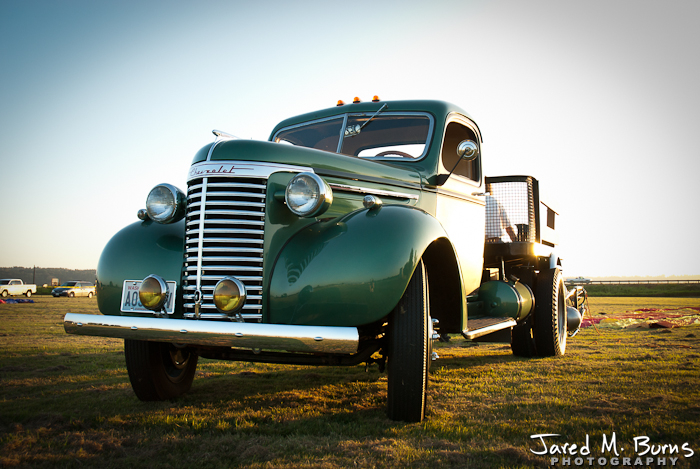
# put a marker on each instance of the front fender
(352, 270)
(140, 249)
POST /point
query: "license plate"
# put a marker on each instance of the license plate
(132, 304)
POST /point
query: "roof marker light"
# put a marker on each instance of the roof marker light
(375, 99)
(356, 100)
(340, 103)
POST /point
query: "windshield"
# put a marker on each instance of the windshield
(387, 136)
(321, 135)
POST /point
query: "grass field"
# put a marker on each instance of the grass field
(689, 290)
(66, 401)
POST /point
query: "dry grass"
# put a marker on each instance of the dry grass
(66, 401)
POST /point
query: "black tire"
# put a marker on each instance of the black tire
(159, 371)
(28, 294)
(4, 294)
(408, 350)
(71, 294)
(522, 343)
(549, 329)
(89, 294)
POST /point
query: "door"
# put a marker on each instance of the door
(460, 203)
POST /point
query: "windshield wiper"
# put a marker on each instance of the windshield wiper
(352, 130)
(373, 116)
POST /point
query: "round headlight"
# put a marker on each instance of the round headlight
(308, 195)
(166, 204)
(229, 295)
(153, 293)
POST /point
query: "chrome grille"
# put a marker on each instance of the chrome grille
(225, 222)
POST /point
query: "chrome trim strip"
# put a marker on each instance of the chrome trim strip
(238, 268)
(479, 199)
(359, 178)
(200, 235)
(365, 190)
(211, 297)
(252, 278)
(227, 203)
(257, 169)
(223, 212)
(230, 241)
(186, 295)
(236, 231)
(310, 339)
(211, 307)
(196, 187)
(224, 221)
(223, 249)
(211, 148)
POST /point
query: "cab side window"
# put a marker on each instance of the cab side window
(454, 134)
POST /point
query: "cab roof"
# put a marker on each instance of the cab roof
(439, 109)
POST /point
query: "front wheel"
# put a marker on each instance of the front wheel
(409, 352)
(89, 294)
(71, 295)
(4, 294)
(550, 325)
(159, 371)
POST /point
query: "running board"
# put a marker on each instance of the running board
(478, 327)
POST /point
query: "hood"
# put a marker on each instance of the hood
(322, 162)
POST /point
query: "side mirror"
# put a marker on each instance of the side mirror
(467, 150)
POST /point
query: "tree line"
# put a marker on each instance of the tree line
(43, 275)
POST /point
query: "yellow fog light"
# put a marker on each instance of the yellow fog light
(229, 295)
(153, 293)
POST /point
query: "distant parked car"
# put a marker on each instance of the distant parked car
(578, 281)
(15, 286)
(75, 288)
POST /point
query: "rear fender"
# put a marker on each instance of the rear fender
(140, 249)
(353, 270)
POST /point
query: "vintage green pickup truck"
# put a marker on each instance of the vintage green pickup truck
(357, 234)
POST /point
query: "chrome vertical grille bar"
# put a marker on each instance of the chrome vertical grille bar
(200, 230)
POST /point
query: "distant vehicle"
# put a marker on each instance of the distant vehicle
(15, 286)
(74, 288)
(578, 281)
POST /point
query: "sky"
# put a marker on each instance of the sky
(101, 101)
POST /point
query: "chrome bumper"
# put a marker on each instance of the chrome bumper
(314, 339)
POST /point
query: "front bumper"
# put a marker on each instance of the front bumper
(311, 339)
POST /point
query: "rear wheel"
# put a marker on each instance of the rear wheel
(522, 342)
(159, 371)
(89, 294)
(550, 326)
(409, 352)
(28, 294)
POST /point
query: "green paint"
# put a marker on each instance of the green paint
(351, 270)
(140, 249)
